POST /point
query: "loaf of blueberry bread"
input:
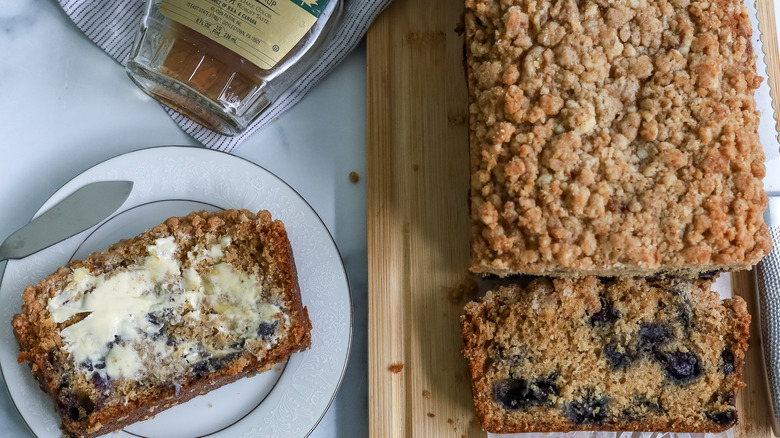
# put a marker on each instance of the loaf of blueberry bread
(184, 308)
(613, 137)
(590, 354)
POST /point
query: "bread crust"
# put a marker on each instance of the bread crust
(41, 345)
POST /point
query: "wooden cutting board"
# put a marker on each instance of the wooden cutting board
(418, 226)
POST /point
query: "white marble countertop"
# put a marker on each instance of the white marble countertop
(66, 106)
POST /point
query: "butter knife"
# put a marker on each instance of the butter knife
(767, 274)
(82, 209)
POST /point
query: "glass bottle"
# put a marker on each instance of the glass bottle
(222, 62)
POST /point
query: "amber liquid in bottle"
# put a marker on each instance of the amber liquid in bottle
(207, 82)
(192, 61)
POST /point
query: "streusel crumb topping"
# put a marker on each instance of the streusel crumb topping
(613, 136)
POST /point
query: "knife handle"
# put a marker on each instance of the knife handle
(768, 288)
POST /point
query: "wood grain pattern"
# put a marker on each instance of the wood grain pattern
(417, 181)
(418, 226)
(766, 18)
(752, 401)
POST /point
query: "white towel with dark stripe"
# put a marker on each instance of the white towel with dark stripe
(112, 25)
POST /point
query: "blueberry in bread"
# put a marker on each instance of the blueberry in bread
(620, 354)
(153, 321)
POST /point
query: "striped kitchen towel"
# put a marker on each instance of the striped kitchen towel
(112, 25)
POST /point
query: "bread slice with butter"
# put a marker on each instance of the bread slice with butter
(184, 308)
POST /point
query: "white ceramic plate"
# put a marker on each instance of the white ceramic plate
(287, 401)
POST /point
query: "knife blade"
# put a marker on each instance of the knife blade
(767, 276)
(82, 209)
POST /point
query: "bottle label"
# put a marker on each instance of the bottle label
(262, 31)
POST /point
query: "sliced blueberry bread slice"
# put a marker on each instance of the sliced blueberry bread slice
(180, 310)
(589, 354)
